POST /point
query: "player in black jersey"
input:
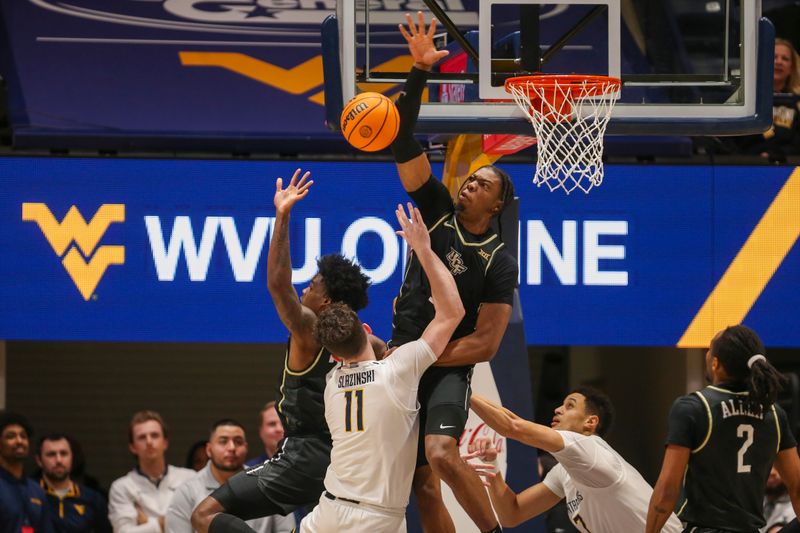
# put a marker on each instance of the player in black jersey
(486, 276)
(723, 441)
(294, 476)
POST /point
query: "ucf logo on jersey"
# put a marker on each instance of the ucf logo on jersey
(457, 265)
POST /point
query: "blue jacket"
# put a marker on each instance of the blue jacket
(23, 504)
(81, 510)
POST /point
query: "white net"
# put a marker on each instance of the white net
(569, 118)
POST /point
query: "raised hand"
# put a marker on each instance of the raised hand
(414, 230)
(293, 193)
(420, 42)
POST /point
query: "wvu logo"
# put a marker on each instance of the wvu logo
(457, 265)
(86, 274)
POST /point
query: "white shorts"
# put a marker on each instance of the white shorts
(336, 516)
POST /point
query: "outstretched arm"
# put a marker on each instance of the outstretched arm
(512, 426)
(297, 318)
(482, 344)
(512, 508)
(446, 302)
(668, 487)
(412, 163)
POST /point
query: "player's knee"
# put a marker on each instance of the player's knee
(442, 454)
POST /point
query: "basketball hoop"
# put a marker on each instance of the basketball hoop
(569, 114)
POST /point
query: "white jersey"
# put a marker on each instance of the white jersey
(604, 493)
(371, 409)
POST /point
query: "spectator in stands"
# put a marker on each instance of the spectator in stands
(197, 457)
(227, 450)
(783, 138)
(23, 505)
(138, 501)
(778, 510)
(271, 433)
(77, 508)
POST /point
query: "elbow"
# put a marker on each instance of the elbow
(509, 520)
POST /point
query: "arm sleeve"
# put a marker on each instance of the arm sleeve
(787, 439)
(501, 280)
(589, 460)
(407, 364)
(433, 200)
(688, 422)
(179, 513)
(122, 513)
(554, 480)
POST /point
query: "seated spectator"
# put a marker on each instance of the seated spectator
(270, 430)
(197, 458)
(778, 510)
(23, 504)
(138, 501)
(77, 508)
(783, 138)
(227, 450)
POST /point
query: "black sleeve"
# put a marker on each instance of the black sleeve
(787, 439)
(433, 200)
(501, 280)
(688, 422)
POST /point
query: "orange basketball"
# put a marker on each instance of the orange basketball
(370, 122)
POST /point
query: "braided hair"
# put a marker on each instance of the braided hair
(741, 353)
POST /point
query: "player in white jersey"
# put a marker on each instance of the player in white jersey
(604, 494)
(371, 406)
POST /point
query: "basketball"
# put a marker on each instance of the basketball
(370, 122)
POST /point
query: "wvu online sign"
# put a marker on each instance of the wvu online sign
(85, 273)
(175, 250)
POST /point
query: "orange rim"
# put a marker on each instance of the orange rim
(576, 84)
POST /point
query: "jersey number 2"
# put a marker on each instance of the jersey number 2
(348, 410)
(747, 431)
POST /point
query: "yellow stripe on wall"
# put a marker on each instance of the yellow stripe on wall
(751, 269)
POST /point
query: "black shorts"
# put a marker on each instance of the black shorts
(444, 404)
(293, 478)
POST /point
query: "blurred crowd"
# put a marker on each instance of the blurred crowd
(153, 497)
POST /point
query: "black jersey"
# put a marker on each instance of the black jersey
(733, 443)
(483, 268)
(301, 394)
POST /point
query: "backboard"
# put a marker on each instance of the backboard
(687, 67)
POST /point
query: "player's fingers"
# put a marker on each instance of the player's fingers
(404, 33)
(410, 212)
(279, 185)
(304, 187)
(470, 455)
(421, 22)
(401, 217)
(294, 177)
(442, 53)
(411, 28)
(303, 179)
(401, 214)
(432, 28)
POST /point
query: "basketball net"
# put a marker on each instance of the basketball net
(569, 115)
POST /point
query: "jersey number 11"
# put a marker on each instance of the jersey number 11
(348, 410)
